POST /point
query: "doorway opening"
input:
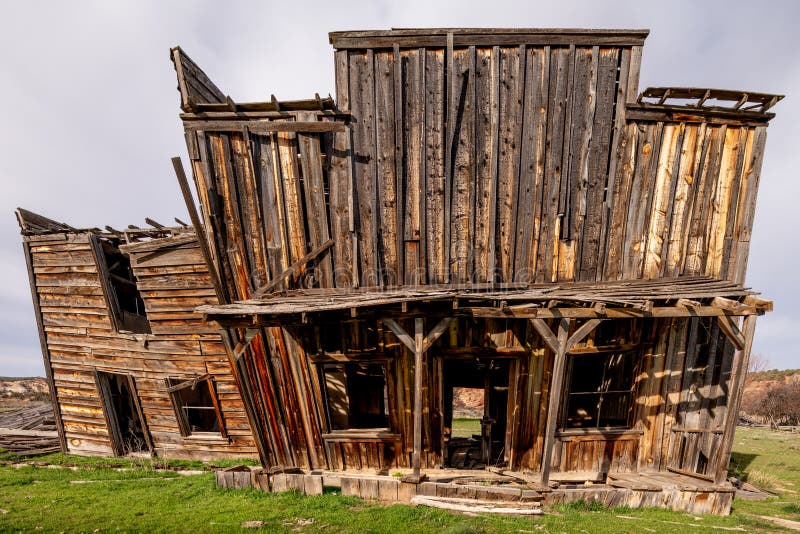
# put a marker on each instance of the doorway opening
(475, 399)
(123, 413)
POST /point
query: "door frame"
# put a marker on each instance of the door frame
(110, 415)
(438, 360)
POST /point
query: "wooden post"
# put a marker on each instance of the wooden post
(198, 229)
(560, 344)
(553, 404)
(418, 373)
(418, 345)
(741, 360)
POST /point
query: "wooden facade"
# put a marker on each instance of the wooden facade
(500, 210)
(108, 365)
(493, 209)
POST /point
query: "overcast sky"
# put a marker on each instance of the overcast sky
(89, 108)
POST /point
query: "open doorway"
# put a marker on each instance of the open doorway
(475, 399)
(123, 413)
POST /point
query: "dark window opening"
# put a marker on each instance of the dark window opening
(600, 390)
(119, 285)
(357, 396)
(348, 336)
(196, 406)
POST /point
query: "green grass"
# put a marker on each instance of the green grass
(465, 428)
(146, 500)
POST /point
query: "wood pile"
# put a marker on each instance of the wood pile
(30, 431)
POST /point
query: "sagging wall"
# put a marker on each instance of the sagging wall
(683, 198)
(81, 340)
(504, 190)
(461, 163)
(679, 385)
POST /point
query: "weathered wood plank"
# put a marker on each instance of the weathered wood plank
(512, 79)
(598, 162)
(547, 253)
(463, 165)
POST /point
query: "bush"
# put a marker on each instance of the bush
(780, 405)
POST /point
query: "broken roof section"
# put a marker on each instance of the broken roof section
(199, 94)
(33, 224)
(677, 297)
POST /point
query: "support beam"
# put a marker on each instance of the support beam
(741, 360)
(551, 339)
(436, 331)
(275, 282)
(761, 304)
(418, 345)
(580, 334)
(730, 327)
(554, 403)
(241, 346)
(401, 334)
(198, 229)
(688, 303)
(575, 312)
(733, 306)
(560, 344)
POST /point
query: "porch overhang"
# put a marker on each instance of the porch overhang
(656, 298)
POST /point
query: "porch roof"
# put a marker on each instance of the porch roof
(662, 297)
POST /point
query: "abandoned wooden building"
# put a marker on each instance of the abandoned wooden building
(501, 210)
(131, 368)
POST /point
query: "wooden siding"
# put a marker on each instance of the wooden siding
(454, 159)
(81, 340)
(683, 200)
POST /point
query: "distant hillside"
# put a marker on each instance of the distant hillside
(759, 384)
(21, 391)
(774, 375)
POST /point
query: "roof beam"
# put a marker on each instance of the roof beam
(584, 330)
(730, 327)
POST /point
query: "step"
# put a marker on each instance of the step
(478, 492)
(477, 506)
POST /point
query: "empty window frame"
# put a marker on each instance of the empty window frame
(356, 394)
(119, 287)
(196, 405)
(599, 390)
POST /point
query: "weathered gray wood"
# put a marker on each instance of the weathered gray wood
(735, 388)
(554, 402)
(419, 351)
(48, 369)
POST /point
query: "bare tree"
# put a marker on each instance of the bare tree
(780, 405)
(758, 364)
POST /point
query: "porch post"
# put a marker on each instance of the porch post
(741, 360)
(418, 372)
(419, 344)
(560, 344)
(554, 402)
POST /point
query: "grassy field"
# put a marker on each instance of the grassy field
(119, 495)
(466, 428)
